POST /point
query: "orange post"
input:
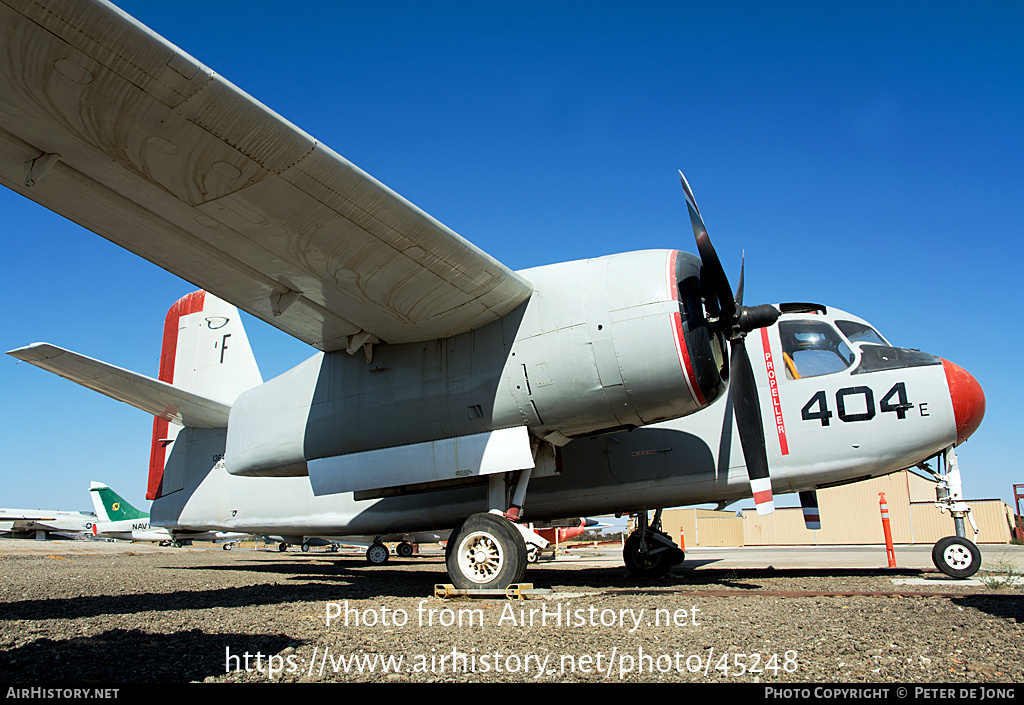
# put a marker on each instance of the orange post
(682, 539)
(889, 550)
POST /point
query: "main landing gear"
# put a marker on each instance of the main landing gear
(486, 551)
(648, 551)
(491, 550)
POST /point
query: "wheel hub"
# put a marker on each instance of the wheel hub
(957, 556)
(480, 557)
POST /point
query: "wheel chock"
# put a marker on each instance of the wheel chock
(515, 591)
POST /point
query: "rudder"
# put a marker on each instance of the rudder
(205, 350)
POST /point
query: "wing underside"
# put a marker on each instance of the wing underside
(108, 124)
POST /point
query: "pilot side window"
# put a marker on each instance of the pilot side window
(813, 348)
(860, 333)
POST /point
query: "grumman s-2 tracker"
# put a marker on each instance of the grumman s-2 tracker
(449, 392)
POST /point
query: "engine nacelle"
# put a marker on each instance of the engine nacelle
(612, 343)
(603, 344)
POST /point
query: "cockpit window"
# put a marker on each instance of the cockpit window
(860, 333)
(813, 348)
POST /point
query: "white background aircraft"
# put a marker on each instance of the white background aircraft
(856, 269)
(117, 518)
(40, 523)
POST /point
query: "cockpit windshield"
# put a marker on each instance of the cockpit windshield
(813, 348)
(860, 333)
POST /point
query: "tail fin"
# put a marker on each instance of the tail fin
(110, 506)
(206, 351)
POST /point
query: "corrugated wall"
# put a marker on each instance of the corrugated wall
(703, 527)
(849, 515)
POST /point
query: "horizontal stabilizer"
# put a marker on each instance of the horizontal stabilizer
(163, 400)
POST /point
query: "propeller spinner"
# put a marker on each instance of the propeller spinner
(728, 315)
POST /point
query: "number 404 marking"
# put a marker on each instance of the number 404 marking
(895, 401)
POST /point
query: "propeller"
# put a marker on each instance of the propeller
(726, 313)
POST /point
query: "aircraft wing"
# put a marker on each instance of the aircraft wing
(113, 127)
(151, 395)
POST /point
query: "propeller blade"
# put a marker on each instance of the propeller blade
(739, 287)
(809, 502)
(747, 408)
(714, 273)
(736, 320)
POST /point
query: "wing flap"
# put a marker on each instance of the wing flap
(163, 157)
(150, 395)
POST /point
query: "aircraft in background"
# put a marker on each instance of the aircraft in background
(449, 392)
(116, 518)
(560, 530)
(41, 523)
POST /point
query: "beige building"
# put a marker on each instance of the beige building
(850, 514)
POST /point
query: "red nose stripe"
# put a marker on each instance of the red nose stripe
(968, 400)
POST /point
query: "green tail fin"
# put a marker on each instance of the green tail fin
(117, 507)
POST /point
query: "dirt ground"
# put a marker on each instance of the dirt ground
(76, 612)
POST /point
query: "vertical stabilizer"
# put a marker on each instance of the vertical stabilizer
(205, 350)
(110, 506)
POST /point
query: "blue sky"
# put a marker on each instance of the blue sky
(868, 156)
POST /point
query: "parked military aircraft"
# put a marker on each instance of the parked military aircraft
(116, 518)
(448, 388)
(40, 523)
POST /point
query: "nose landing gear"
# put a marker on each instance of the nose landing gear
(956, 556)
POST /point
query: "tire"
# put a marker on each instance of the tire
(648, 565)
(487, 552)
(305, 548)
(404, 549)
(377, 554)
(956, 557)
(282, 547)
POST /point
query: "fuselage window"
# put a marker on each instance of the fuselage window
(813, 348)
(860, 333)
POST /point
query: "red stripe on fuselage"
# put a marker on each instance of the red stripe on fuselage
(773, 384)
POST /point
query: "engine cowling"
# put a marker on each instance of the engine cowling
(614, 342)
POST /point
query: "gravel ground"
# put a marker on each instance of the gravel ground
(138, 614)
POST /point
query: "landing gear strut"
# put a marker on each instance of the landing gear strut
(649, 552)
(956, 556)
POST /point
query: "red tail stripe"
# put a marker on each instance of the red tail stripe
(184, 306)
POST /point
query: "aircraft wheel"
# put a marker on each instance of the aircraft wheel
(404, 549)
(488, 552)
(377, 554)
(228, 546)
(532, 554)
(957, 557)
(282, 547)
(648, 565)
(305, 548)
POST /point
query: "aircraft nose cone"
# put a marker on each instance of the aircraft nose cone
(968, 400)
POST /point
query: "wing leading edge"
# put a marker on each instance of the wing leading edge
(113, 127)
